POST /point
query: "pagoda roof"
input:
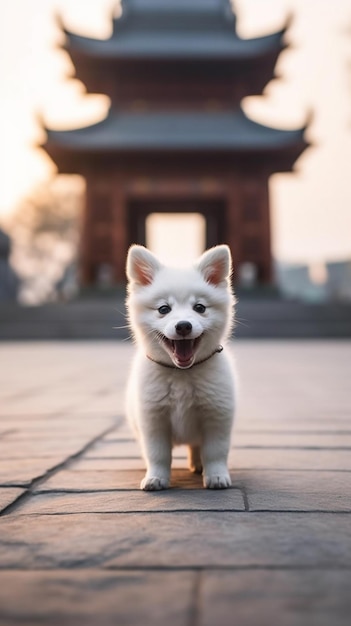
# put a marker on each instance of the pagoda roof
(175, 29)
(176, 132)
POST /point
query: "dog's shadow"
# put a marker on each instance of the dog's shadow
(184, 479)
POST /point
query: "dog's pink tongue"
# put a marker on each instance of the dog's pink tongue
(184, 350)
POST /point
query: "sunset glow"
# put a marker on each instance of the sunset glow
(311, 216)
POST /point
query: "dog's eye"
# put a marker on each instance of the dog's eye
(199, 308)
(164, 309)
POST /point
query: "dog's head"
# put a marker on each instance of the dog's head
(180, 314)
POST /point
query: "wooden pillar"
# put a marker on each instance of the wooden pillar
(266, 262)
(254, 224)
(120, 229)
(104, 236)
(84, 261)
(233, 223)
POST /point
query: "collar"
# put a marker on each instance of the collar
(218, 349)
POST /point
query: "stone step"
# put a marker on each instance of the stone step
(106, 319)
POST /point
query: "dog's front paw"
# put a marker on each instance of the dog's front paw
(154, 483)
(217, 481)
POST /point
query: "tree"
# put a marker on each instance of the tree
(45, 230)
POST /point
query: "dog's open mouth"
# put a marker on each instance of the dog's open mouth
(182, 351)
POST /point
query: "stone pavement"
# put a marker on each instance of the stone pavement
(80, 544)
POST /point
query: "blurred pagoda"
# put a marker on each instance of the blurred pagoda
(175, 138)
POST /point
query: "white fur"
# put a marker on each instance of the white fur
(188, 403)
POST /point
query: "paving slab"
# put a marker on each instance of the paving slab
(57, 428)
(137, 501)
(8, 496)
(23, 471)
(125, 448)
(317, 425)
(295, 491)
(34, 448)
(264, 598)
(183, 539)
(36, 406)
(290, 459)
(96, 598)
(124, 432)
(112, 463)
(306, 441)
(74, 480)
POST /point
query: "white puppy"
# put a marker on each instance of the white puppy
(181, 387)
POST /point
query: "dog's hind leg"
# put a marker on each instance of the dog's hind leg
(194, 458)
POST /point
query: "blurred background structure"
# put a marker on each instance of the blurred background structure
(179, 125)
(8, 279)
(175, 139)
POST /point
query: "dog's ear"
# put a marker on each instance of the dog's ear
(215, 264)
(142, 265)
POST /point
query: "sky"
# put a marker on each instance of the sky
(310, 209)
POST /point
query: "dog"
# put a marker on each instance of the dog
(181, 385)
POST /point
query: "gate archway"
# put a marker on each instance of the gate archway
(213, 211)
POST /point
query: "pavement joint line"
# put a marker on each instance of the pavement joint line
(288, 433)
(125, 458)
(285, 469)
(251, 512)
(319, 448)
(13, 506)
(245, 498)
(177, 489)
(178, 568)
(76, 490)
(196, 595)
(135, 512)
(24, 485)
(304, 511)
(6, 433)
(220, 568)
(14, 486)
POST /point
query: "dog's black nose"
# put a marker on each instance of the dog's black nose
(183, 328)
